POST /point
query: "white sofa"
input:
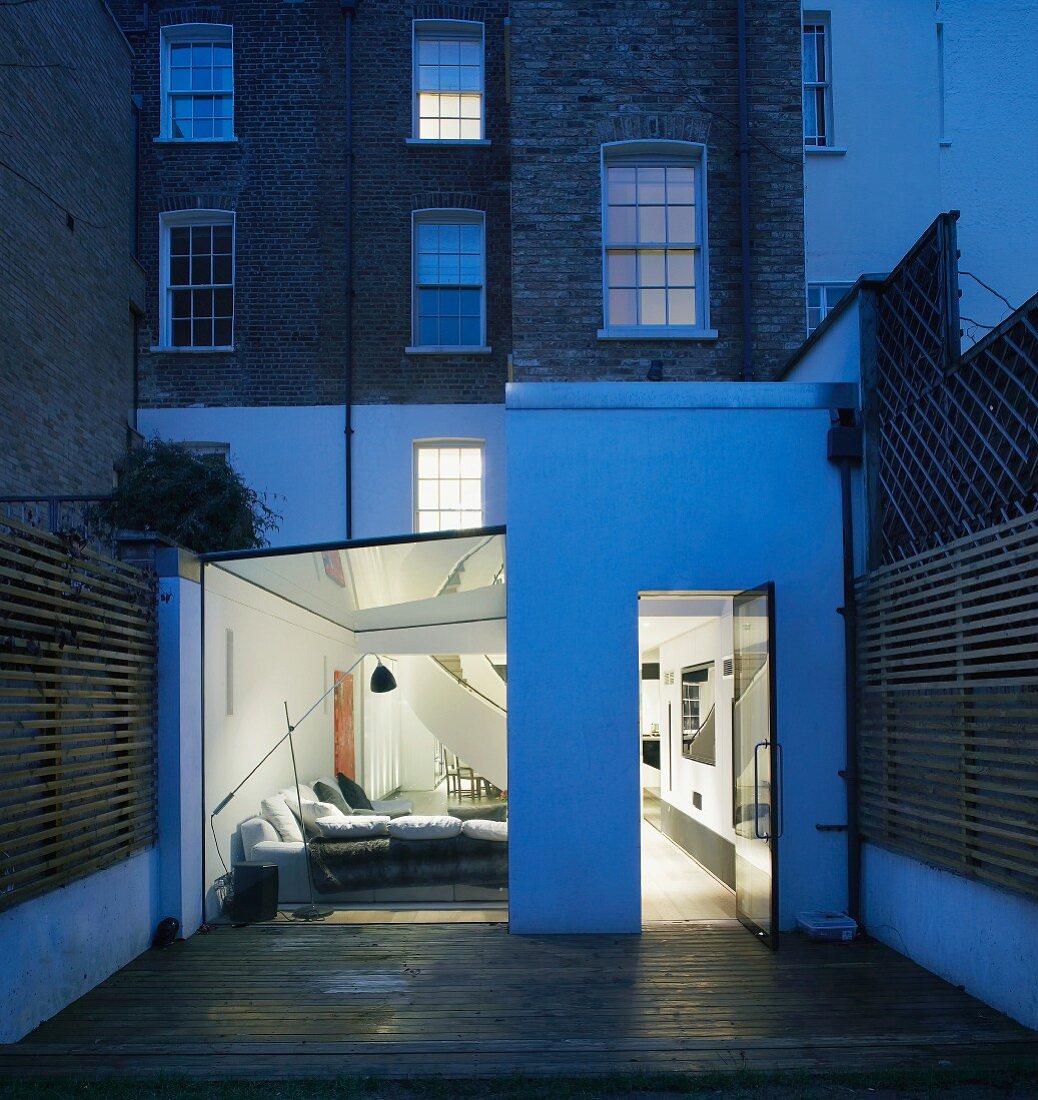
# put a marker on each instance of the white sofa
(261, 843)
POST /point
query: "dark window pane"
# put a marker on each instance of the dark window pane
(181, 303)
(179, 241)
(222, 333)
(202, 331)
(202, 53)
(203, 303)
(201, 270)
(222, 238)
(470, 331)
(469, 303)
(202, 79)
(223, 303)
(201, 239)
(450, 302)
(428, 303)
(203, 129)
(427, 331)
(181, 334)
(179, 271)
(222, 54)
(221, 269)
(449, 330)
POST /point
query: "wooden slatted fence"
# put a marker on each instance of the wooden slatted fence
(77, 711)
(948, 705)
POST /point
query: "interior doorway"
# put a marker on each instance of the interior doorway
(684, 741)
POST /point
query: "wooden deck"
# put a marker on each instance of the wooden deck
(285, 1000)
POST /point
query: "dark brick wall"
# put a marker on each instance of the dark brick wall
(586, 72)
(284, 179)
(391, 179)
(66, 365)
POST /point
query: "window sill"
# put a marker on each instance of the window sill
(449, 349)
(225, 350)
(824, 151)
(662, 332)
(195, 141)
(446, 141)
(944, 143)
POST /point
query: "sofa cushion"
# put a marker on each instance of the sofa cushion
(255, 831)
(353, 792)
(424, 827)
(486, 830)
(312, 811)
(327, 790)
(276, 811)
(351, 828)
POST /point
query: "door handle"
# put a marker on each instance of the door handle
(778, 791)
(756, 792)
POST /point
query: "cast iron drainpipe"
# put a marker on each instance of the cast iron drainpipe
(348, 8)
(744, 193)
(845, 449)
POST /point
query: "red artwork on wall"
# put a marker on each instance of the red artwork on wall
(345, 746)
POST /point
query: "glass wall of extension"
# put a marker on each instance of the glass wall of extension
(355, 731)
(708, 774)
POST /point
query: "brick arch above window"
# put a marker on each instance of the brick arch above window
(197, 202)
(175, 16)
(653, 126)
(448, 200)
(476, 13)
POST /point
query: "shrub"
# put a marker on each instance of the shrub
(199, 501)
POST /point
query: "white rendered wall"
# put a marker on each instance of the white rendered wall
(710, 642)
(295, 454)
(281, 653)
(990, 163)
(864, 207)
(617, 489)
(179, 744)
(383, 438)
(58, 946)
(866, 204)
(969, 933)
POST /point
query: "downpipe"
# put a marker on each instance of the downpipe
(348, 8)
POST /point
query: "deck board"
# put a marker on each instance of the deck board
(285, 1000)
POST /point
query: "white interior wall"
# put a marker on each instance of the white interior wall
(280, 653)
(709, 642)
(380, 769)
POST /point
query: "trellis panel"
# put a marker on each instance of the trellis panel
(77, 711)
(948, 705)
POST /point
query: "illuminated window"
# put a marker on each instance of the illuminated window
(448, 80)
(197, 83)
(818, 88)
(448, 485)
(448, 279)
(196, 302)
(654, 249)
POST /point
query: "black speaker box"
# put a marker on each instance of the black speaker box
(255, 892)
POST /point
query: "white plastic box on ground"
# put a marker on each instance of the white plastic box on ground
(832, 927)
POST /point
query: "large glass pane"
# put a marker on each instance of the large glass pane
(754, 756)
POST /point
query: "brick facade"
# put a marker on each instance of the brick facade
(284, 180)
(67, 281)
(586, 73)
(391, 180)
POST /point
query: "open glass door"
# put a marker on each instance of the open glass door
(756, 764)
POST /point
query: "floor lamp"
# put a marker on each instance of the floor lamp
(382, 680)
